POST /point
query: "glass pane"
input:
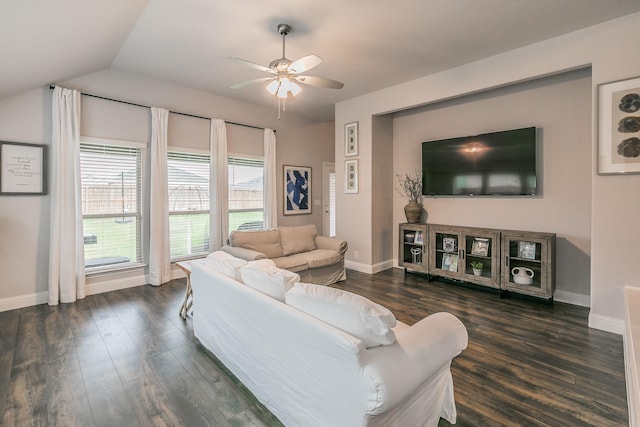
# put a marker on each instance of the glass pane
(189, 234)
(110, 241)
(246, 194)
(246, 220)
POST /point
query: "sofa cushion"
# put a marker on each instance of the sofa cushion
(295, 240)
(225, 264)
(293, 262)
(354, 314)
(321, 257)
(269, 279)
(265, 241)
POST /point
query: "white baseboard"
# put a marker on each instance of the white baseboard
(607, 324)
(572, 298)
(13, 303)
(115, 284)
(362, 268)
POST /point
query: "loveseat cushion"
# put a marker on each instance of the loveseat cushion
(321, 257)
(354, 314)
(265, 241)
(293, 263)
(269, 279)
(298, 239)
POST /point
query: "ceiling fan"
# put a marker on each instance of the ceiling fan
(285, 73)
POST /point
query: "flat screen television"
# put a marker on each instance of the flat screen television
(491, 164)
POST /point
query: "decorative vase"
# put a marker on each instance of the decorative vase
(413, 212)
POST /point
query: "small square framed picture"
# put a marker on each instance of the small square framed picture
(480, 247)
(449, 244)
(527, 250)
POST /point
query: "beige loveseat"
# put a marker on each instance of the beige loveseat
(317, 259)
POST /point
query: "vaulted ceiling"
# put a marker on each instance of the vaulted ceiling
(367, 44)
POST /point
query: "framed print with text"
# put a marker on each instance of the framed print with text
(22, 169)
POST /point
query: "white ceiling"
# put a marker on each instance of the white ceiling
(367, 44)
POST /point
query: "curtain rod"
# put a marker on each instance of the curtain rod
(172, 112)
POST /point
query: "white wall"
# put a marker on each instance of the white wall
(609, 49)
(24, 220)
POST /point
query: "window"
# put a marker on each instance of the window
(188, 182)
(246, 194)
(111, 193)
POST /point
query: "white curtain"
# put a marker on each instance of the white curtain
(270, 190)
(219, 190)
(159, 252)
(66, 245)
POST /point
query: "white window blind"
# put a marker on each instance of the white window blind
(188, 182)
(246, 193)
(111, 200)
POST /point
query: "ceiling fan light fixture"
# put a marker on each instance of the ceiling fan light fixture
(272, 87)
(295, 88)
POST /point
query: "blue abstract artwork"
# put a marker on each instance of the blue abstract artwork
(297, 190)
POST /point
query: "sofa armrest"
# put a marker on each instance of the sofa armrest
(397, 370)
(243, 253)
(324, 242)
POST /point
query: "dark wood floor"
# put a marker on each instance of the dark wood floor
(126, 358)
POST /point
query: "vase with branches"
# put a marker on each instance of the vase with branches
(411, 188)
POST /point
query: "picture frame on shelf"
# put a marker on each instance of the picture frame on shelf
(297, 190)
(526, 250)
(418, 240)
(619, 127)
(449, 244)
(450, 262)
(351, 176)
(480, 246)
(23, 169)
(351, 139)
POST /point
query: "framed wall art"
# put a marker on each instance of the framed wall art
(22, 169)
(619, 127)
(351, 139)
(351, 176)
(297, 190)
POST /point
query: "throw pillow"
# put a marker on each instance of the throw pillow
(295, 240)
(225, 264)
(268, 279)
(354, 314)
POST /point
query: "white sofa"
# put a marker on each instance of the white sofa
(310, 373)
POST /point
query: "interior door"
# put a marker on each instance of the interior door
(329, 199)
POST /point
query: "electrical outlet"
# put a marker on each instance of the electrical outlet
(355, 254)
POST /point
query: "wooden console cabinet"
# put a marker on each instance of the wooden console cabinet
(454, 252)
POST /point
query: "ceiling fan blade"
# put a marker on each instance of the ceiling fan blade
(252, 64)
(320, 81)
(251, 82)
(304, 64)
